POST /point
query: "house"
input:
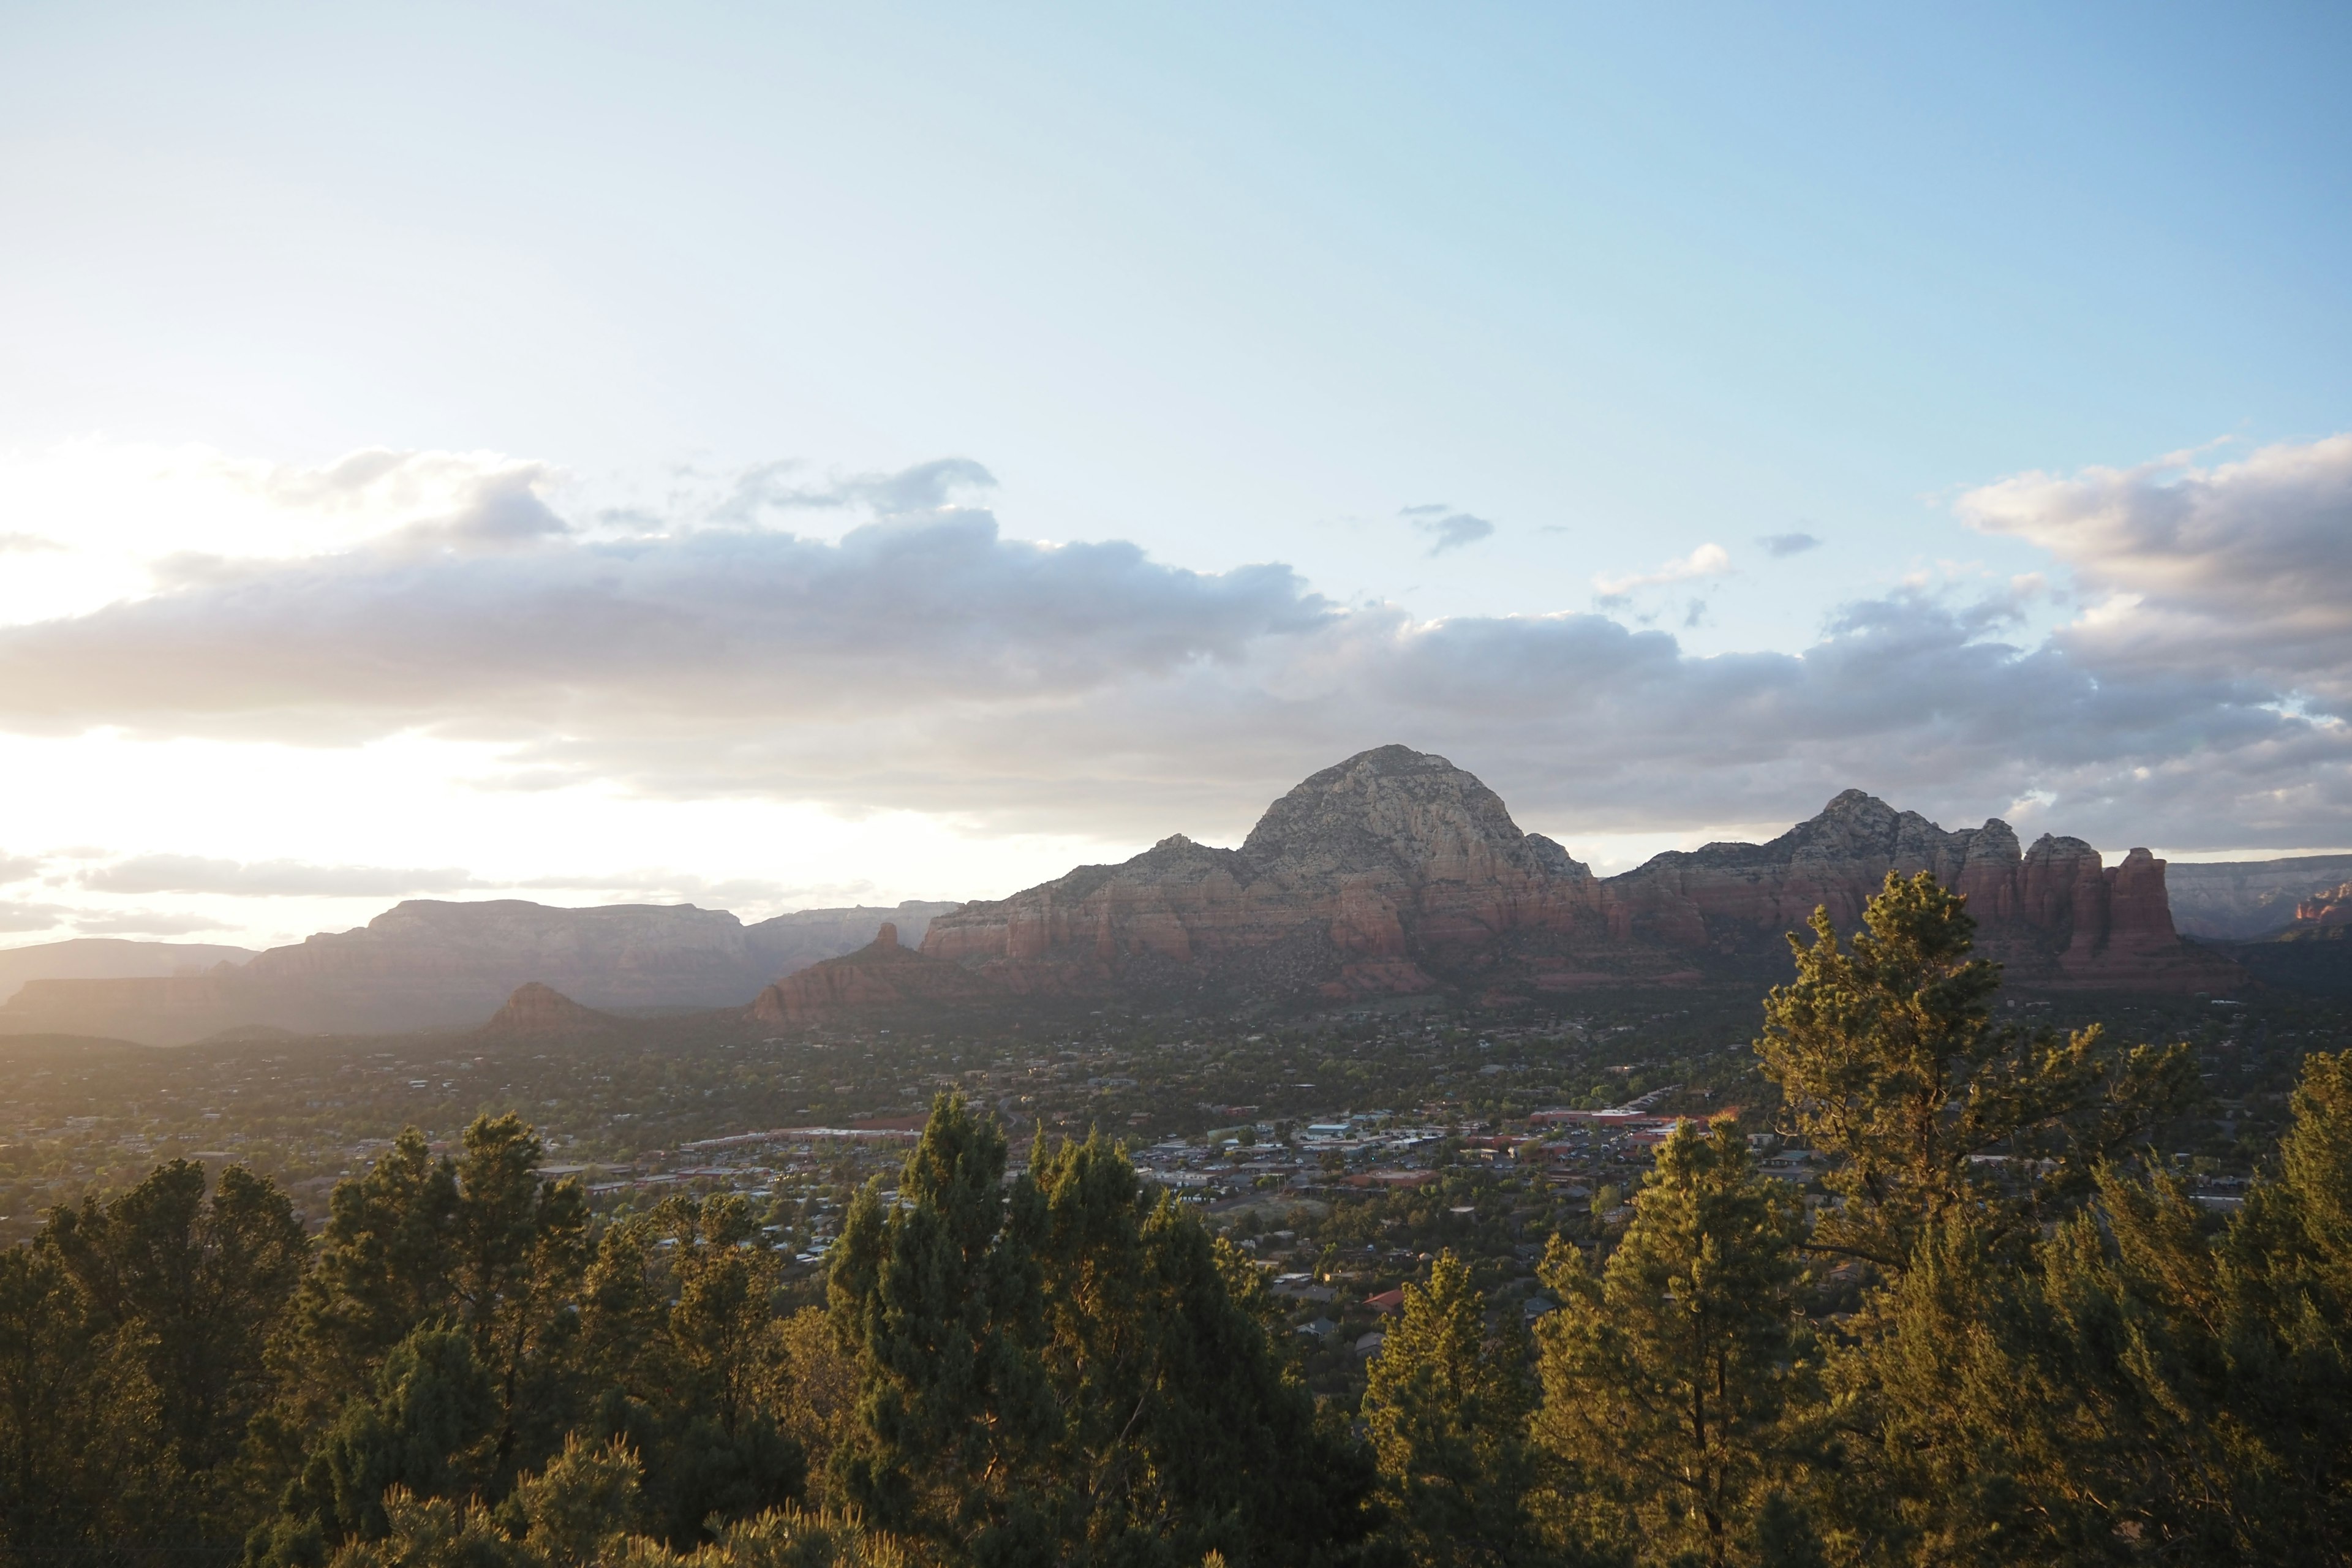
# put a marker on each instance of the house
(1388, 1303)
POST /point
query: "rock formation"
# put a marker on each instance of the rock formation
(2053, 913)
(2327, 914)
(1396, 871)
(538, 1012)
(880, 977)
(431, 964)
(1370, 878)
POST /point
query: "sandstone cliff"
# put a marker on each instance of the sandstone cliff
(881, 977)
(1396, 871)
(2053, 913)
(1371, 876)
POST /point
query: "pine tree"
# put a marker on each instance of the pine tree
(1447, 1406)
(186, 1290)
(1889, 1062)
(1672, 1381)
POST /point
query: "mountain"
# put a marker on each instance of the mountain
(430, 963)
(882, 976)
(2053, 913)
(541, 1012)
(1396, 872)
(2244, 900)
(109, 958)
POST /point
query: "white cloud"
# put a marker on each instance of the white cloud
(1707, 561)
(924, 662)
(2237, 572)
(269, 879)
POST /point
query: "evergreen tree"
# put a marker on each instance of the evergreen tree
(1447, 1406)
(1889, 1062)
(940, 1297)
(183, 1293)
(1674, 1383)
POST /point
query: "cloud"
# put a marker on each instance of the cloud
(269, 879)
(599, 638)
(925, 661)
(16, 867)
(21, 915)
(144, 923)
(2239, 571)
(27, 544)
(1445, 529)
(1780, 546)
(1707, 561)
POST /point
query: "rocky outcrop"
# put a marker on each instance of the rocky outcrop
(536, 1012)
(1396, 871)
(883, 977)
(2055, 913)
(2328, 914)
(431, 964)
(1370, 878)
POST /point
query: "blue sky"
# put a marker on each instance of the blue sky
(1468, 316)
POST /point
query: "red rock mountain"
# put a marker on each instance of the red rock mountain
(881, 976)
(1396, 871)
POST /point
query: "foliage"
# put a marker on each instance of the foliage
(2040, 1348)
(1889, 1062)
(1675, 1382)
(1447, 1410)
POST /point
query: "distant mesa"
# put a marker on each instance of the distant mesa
(541, 1012)
(429, 963)
(111, 958)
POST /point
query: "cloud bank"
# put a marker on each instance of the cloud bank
(925, 661)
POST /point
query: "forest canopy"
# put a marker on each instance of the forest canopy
(2043, 1350)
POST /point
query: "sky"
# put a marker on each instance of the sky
(782, 456)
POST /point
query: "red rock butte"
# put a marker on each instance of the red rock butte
(1396, 872)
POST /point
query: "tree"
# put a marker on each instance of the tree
(187, 1290)
(1889, 1062)
(1062, 1369)
(679, 1345)
(1672, 1381)
(940, 1297)
(428, 1427)
(1447, 1406)
(481, 1243)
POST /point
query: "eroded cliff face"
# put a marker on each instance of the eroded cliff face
(1359, 881)
(2055, 913)
(1396, 871)
(880, 977)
